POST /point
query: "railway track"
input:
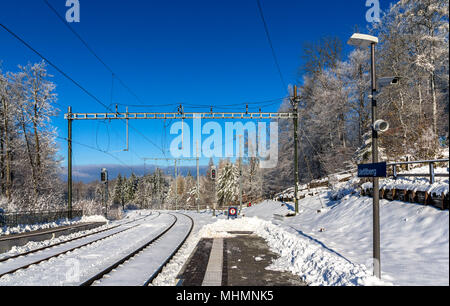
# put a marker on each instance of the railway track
(6, 258)
(12, 264)
(142, 266)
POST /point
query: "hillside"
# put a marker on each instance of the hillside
(414, 238)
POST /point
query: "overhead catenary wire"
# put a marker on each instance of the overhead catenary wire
(274, 55)
(113, 74)
(93, 52)
(96, 149)
(263, 103)
(73, 81)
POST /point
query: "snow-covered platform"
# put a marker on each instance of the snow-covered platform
(238, 260)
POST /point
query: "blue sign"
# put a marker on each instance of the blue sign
(372, 170)
(232, 212)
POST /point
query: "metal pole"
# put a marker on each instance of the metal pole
(240, 173)
(198, 180)
(128, 143)
(376, 189)
(176, 186)
(106, 199)
(69, 166)
(432, 179)
(213, 177)
(296, 149)
(215, 200)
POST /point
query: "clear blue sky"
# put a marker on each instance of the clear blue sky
(167, 52)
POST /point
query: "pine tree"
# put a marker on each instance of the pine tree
(227, 186)
(130, 189)
(118, 193)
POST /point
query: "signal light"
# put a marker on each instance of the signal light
(104, 175)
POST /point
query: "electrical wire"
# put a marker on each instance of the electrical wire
(266, 28)
(95, 149)
(92, 51)
(74, 82)
(264, 103)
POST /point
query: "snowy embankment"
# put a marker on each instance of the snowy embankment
(414, 238)
(330, 242)
(63, 222)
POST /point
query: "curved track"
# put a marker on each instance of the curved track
(14, 263)
(142, 266)
(69, 240)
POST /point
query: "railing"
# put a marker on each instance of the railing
(431, 174)
(32, 217)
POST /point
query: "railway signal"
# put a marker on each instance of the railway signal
(104, 180)
(104, 175)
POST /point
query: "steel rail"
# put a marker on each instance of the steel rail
(44, 232)
(157, 272)
(70, 240)
(66, 251)
(106, 271)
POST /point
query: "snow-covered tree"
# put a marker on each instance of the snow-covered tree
(227, 186)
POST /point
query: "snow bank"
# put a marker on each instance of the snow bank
(63, 222)
(29, 228)
(89, 219)
(315, 265)
(267, 209)
(414, 238)
(441, 185)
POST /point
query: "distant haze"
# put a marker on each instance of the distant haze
(91, 173)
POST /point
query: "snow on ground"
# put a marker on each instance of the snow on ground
(440, 186)
(330, 242)
(310, 261)
(414, 238)
(87, 260)
(168, 275)
(33, 245)
(34, 227)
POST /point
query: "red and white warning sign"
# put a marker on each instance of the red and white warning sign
(232, 212)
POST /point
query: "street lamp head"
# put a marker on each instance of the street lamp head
(362, 40)
(381, 126)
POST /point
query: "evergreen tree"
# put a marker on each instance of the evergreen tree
(227, 185)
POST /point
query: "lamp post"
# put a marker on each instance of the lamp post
(364, 41)
(296, 175)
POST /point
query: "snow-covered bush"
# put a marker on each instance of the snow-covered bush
(340, 190)
(89, 207)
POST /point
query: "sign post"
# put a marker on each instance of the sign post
(375, 171)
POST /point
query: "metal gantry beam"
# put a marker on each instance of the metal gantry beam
(179, 116)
